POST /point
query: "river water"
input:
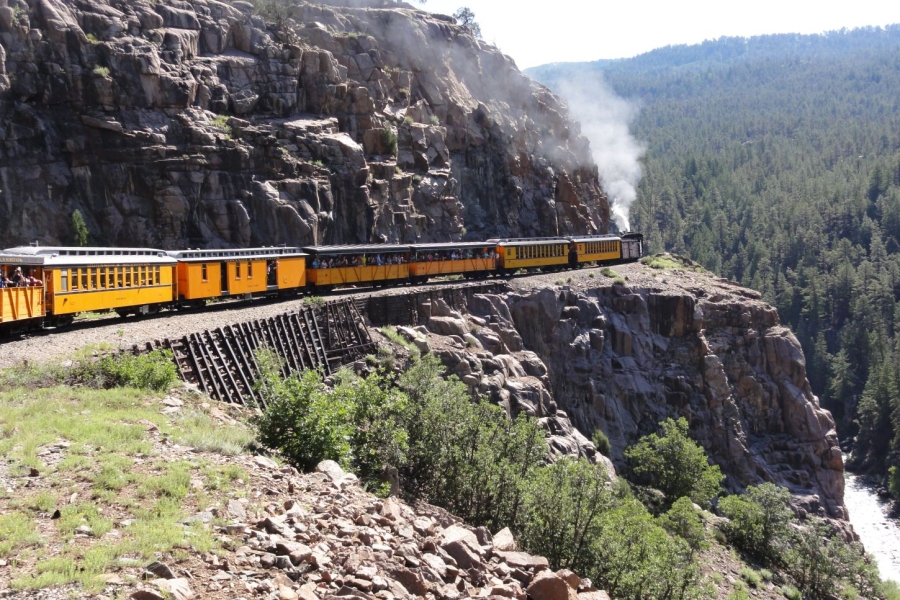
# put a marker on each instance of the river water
(868, 515)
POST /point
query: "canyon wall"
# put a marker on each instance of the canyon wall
(186, 123)
(583, 354)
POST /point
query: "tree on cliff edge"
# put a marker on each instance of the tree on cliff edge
(465, 17)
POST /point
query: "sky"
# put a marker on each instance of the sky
(535, 33)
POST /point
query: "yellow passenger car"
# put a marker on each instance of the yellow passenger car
(21, 291)
(531, 253)
(127, 280)
(203, 274)
(597, 248)
(330, 266)
(471, 259)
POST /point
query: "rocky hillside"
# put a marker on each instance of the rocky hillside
(180, 123)
(584, 354)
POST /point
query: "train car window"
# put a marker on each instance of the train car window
(103, 279)
(203, 272)
(237, 270)
(120, 277)
(74, 279)
(84, 279)
(156, 274)
(127, 277)
(94, 279)
(249, 270)
(64, 280)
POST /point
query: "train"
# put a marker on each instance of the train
(50, 285)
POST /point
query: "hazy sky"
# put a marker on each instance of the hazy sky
(535, 33)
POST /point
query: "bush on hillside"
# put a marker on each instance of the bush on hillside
(601, 442)
(675, 464)
(821, 563)
(563, 507)
(153, 371)
(468, 457)
(684, 521)
(355, 422)
(759, 521)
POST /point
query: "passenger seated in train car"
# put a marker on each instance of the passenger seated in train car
(17, 279)
(3, 281)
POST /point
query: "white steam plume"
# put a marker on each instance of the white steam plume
(604, 119)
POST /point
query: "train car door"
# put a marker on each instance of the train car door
(272, 273)
(224, 266)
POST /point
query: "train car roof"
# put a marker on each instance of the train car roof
(10, 258)
(236, 254)
(61, 256)
(450, 245)
(595, 238)
(356, 249)
(528, 241)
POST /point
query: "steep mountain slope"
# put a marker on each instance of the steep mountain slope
(197, 122)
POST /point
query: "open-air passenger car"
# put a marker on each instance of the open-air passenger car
(330, 266)
(471, 259)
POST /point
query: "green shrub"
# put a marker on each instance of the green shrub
(791, 593)
(684, 521)
(601, 442)
(154, 371)
(739, 593)
(394, 336)
(434, 120)
(562, 506)
(752, 578)
(101, 71)
(468, 457)
(389, 140)
(355, 422)
(890, 590)
(675, 464)
(758, 520)
(607, 272)
(820, 562)
(633, 557)
(894, 482)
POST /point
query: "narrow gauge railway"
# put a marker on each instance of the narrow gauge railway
(49, 286)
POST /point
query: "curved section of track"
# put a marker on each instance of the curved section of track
(110, 333)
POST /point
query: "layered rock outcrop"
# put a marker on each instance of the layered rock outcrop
(197, 123)
(588, 355)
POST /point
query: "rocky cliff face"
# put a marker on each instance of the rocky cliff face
(586, 355)
(195, 122)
